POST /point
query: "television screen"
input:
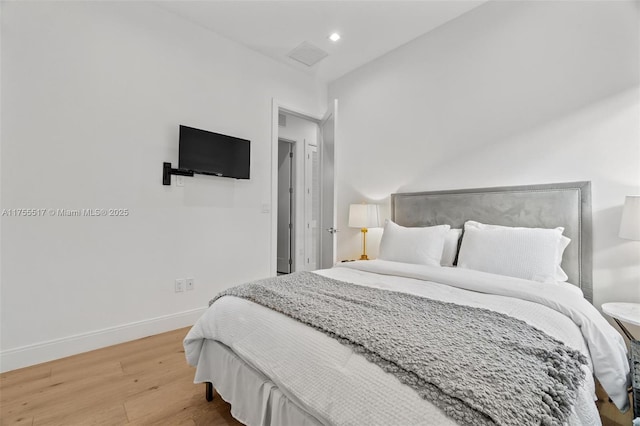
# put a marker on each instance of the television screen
(211, 153)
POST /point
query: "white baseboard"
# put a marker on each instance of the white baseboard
(37, 353)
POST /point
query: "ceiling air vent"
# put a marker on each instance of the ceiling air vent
(308, 54)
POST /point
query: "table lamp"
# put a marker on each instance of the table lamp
(364, 216)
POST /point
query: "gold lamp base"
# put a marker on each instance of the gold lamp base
(364, 244)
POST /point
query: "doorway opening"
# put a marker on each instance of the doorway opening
(298, 206)
(303, 190)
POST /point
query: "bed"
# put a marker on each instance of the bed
(277, 370)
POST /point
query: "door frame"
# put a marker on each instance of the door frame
(276, 108)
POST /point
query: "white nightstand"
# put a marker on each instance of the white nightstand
(627, 312)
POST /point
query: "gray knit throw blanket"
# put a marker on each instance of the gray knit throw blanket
(478, 366)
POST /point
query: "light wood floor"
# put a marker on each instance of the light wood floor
(144, 382)
(609, 414)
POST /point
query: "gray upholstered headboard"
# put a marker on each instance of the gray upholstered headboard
(540, 206)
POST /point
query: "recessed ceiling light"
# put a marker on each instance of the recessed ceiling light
(334, 37)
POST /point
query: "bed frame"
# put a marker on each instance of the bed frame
(541, 206)
(534, 206)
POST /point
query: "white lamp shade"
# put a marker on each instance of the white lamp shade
(364, 216)
(630, 223)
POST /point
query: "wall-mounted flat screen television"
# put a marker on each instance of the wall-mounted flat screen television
(214, 154)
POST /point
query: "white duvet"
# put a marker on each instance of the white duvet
(339, 387)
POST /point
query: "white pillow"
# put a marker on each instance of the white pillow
(528, 253)
(413, 245)
(561, 276)
(450, 248)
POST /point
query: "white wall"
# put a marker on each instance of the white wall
(92, 96)
(510, 93)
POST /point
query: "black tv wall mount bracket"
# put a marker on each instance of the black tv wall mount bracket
(167, 171)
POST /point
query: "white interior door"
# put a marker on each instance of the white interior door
(312, 208)
(328, 196)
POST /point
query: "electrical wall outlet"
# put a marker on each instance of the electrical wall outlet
(179, 180)
(180, 284)
(190, 283)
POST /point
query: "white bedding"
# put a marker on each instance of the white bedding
(337, 386)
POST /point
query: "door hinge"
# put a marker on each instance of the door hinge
(291, 155)
(290, 190)
(290, 262)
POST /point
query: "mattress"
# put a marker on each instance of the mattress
(333, 385)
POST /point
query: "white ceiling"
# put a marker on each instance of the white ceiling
(369, 29)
